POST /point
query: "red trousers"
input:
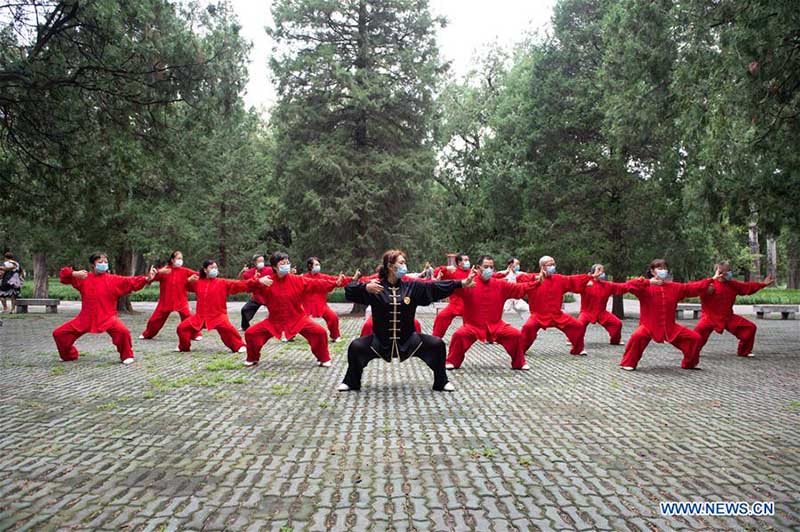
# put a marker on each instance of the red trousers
(257, 335)
(609, 322)
(744, 330)
(227, 333)
(687, 341)
(366, 329)
(571, 327)
(504, 334)
(444, 319)
(66, 335)
(332, 321)
(159, 318)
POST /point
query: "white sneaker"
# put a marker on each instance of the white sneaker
(526, 367)
(141, 337)
(249, 363)
(242, 349)
(337, 340)
(449, 366)
(449, 387)
(628, 368)
(128, 361)
(751, 355)
(583, 354)
(325, 364)
(198, 338)
(343, 388)
(283, 339)
(178, 349)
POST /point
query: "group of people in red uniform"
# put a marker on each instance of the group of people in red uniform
(292, 300)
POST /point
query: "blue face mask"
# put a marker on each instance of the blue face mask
(516, 268)
(662, 274)
(602, 276)
(315, 269)
(551, 270)
(487, 273)
(212, 273)
(283, 269)
(728, 276)
(401, 271)
(466, 265)
(101, 267)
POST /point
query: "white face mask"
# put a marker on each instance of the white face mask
(259, 265)
(178, 263)
(8, 264)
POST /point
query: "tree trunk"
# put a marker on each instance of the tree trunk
(618, 307)
(223, 259)
(40, 288)
(755, 251)
(772, 257)
(793, 263)
(125, 265)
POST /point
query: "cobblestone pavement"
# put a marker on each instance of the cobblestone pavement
(195, 441)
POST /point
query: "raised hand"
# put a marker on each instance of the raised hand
(340, 279)
(193, 278)
(439, 275)
(152, 273)
(80, 274)
(718, 275)
(164, 270)
(597, 273)
(357, 274)
(266, 280)
(469, 282)
(656, 281)
(374, 287)
(768, 280)
(244, 269)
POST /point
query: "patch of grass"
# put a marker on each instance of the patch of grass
(280, 389)
(149, 394)
(111, 405)
(58, 370)
(324, 404)
(794, 406)
(30, 403)
(525, 461)
(223, 364)
(486, 452)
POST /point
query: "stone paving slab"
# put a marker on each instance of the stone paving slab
(196, 442)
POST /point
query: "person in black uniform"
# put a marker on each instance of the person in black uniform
(394, 302)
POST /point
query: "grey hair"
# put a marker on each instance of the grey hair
(545, 259)
(594, 268)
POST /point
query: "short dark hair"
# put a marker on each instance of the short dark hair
(460, 257)
(655, 264)
(94, 257)
(206, 264)
(174, 254)
(277, 257)
(483, 258)
(510, 261)
(310, 262)
(255, 258)
(8, 255)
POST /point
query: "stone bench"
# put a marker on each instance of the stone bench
(50, 304)
(788, 312)
(439, 305)
(694, 308)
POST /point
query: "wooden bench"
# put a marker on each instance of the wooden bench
(50, 304)
(694, 308)
(788, 312)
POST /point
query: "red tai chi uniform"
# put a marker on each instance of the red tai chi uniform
(545, 302)
(718, 314)
(316, 301)
(657, 305)
(455, 305)
(286, 314)
(212, 312)
(173, 296)
(483, 319)
(594, 299)
(99, 294)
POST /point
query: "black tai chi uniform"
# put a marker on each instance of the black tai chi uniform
(393, 335)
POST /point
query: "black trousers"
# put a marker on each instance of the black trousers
(432, 351)
(248, 311)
